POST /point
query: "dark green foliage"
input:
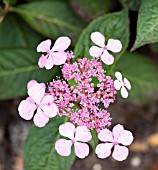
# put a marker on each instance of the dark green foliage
(89, 10)
(51, 18)
(147, 27)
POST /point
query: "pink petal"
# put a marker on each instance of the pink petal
(114, 45)
(82, 134)
(67, 129)
(98, 39)
(59, 58)
(40, 119)
(118, 75)
(124, 92)
(120, 152)
(29, 99)
(105, 135)
(107, 58)
(47, 100)
(63, 147)
(117, 131)
(95, 51)
(103, 150)
(26, 109)
(36, 92)
(126, 138)
(61, 44)
(81, 149)
(44, 46)
(127, 83)
(49, 62)
(43, 85)
(117, 84)
(30, 83)
(51, 110)
(42, 61)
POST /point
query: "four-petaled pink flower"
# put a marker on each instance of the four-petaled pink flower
(115, 138)
(44, 103)
(81, 133)
(121, 84)
(54, 56)
(112, 45)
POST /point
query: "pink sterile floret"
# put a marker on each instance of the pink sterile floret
(54, 56)
(101, 51)
(78, 136)
(115, 138)
(121, 84)
(38, 99)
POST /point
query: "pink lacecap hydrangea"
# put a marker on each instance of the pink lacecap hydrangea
(81, 101)
(77, 136)
(101, 51)
(54, 56)
(117, 138)
(40, 101)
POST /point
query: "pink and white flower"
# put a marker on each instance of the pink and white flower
(121, 84)
(115, 138)
(102, 51)
(40, 101)
(54, 56)
(78, 136)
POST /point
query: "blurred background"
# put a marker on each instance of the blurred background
(25, 23)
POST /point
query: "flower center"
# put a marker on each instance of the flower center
(48, 51)
(73, 141)
(115, 142)
(38, 105)
(105, 48)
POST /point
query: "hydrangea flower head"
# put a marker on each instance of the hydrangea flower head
(117, 138)
(121, 84)
(83, 95)
(87, 112)
(102, 51)
(78, 136)
(54, 56)
(38, 99)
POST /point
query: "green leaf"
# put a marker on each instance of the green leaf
(142, 73)
(94, 140)
(50, 18)
(18, 59)
(20, 36)
(17, 67)
(147, 27)
(131, 4)
(39, 151)
(89, 10)
(114, 25)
